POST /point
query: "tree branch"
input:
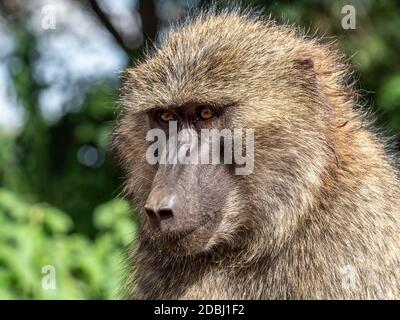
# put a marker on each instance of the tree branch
(147, 10)
(104, 19)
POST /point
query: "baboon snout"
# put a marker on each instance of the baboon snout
(163, 208)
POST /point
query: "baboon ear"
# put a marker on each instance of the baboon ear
(306, 63)
(317, 64)
(307, 67)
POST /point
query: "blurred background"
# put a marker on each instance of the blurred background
(61, 213)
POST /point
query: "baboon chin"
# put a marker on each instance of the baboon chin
(319, 202)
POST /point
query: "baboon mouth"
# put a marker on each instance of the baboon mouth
(176, 237)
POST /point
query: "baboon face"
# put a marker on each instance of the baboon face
(184, 207)
(186, 201)
(210, 75)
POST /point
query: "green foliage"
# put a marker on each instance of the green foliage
(33, 236)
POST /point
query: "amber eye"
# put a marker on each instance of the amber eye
(165, 116)
(206, 113)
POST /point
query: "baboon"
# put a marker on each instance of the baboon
(318, 218)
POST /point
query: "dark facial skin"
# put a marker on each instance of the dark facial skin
(185, 202)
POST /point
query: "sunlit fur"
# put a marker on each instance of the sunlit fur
(324, 192)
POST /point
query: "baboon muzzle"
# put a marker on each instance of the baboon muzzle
(171, 205)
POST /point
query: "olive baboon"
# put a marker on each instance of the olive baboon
(319, 215)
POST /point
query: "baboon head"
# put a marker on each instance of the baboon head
(228, 70)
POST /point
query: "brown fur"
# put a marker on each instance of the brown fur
(324, 193)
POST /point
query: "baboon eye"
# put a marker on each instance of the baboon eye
(206, 113)
(165, 116)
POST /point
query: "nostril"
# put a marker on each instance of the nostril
(165, 214)
(151, 213)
